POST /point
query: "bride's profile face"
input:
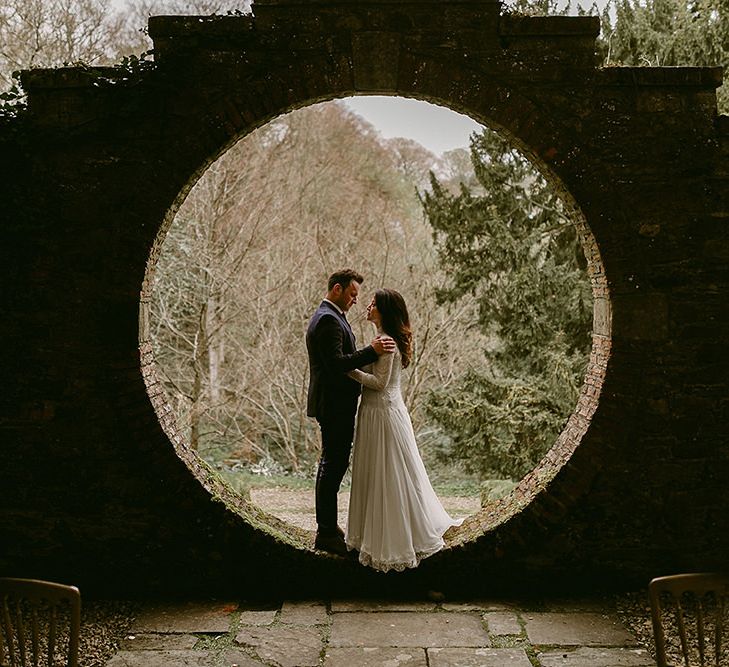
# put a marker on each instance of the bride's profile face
(373, 315)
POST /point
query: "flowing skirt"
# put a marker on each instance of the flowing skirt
(395, 517)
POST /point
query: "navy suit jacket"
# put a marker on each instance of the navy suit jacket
(332, 354)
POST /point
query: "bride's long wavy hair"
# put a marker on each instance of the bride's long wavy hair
(396, 321)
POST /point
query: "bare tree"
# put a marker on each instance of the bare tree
(137, 13)
(247, 260)
(45, 33)
(52, 33)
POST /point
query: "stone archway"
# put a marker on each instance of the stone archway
(116, 149)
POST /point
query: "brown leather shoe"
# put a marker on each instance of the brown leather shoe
(333, 544)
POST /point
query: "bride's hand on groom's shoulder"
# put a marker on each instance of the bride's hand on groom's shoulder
(383, 345)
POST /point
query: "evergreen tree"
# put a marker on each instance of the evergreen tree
(509, 246)
(663, 33)
(506, 244)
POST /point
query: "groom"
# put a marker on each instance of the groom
(332, 397)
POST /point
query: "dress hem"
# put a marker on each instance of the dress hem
(367, 559)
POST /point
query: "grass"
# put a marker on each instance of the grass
(243, 481)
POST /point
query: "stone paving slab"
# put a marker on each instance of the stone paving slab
(478, 657)
(186, 617)
(257, 617)
(576, 629)
(146, 642)
(304, 613)
(375, 657)
(287, 645)
(237, 658)
(162, 659)
(380, 605)
(369, 633)
(478, 605)
(596, 606)
(502, 623)
(358, 629)
(596, 657)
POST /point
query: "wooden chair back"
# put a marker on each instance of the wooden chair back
(701, 595)
(36, 619)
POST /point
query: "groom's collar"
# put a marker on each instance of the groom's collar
(335, 306)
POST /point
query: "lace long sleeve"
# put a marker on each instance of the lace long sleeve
(380, 376)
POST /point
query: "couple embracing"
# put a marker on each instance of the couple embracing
(395, 518)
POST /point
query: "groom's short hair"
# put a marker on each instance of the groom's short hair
(343, 278)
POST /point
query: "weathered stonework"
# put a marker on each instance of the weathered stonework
(96, 486)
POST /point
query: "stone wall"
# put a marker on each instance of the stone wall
(98, 489)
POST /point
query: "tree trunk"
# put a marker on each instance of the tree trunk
(214, 344)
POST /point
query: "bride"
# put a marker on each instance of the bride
(395, 518)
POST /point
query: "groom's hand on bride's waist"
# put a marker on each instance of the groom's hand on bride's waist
(383, 345)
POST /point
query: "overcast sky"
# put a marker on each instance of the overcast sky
(437, 128)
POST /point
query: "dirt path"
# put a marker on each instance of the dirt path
(297, 507)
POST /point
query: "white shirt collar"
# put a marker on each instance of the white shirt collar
(339, 310)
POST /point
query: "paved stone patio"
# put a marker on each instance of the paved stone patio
(370, 633)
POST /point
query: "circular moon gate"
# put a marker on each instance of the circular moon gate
(566, 444)
(501, 114)
(116, 151)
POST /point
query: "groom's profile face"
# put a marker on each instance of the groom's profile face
(348, 296)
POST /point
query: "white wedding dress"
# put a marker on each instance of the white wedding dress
(395, 518)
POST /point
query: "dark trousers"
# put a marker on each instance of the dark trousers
(336, 445)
